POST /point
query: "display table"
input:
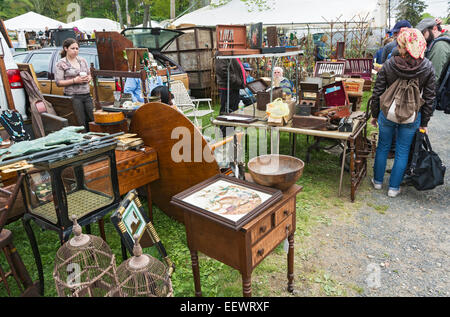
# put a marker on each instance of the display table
(244, 249)
(354, 142)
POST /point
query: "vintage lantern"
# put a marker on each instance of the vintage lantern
(84, 266)
(143, 276)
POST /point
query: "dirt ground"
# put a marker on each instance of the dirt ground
(380, 246)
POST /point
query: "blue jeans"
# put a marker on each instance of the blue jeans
(405, 135)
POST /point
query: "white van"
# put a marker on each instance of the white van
(15, 81)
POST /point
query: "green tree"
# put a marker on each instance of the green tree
(12, 8)
(411, 10)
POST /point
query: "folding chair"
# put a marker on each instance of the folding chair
(188, 105)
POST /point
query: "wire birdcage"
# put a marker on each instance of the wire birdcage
(84, 266)
(143, 276)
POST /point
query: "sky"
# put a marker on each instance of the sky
(437, 7)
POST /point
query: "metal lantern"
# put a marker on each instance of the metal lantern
(84, 266)
(143, 276)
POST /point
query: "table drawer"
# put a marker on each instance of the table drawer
(267, 244)
(284, 211)
(260, 229)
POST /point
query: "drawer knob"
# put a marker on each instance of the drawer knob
(262, 229)
(260, 252)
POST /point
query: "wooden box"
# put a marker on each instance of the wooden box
(337, 68)
(231, 37)
(284, 120)
(354, 86)
(309, 122)
(263, 97)
(335, 95)
(259, 87)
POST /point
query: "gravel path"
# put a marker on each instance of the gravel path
(392, 246)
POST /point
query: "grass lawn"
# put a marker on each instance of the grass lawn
(320, 182)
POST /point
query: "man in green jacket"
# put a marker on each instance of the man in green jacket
(438, 47)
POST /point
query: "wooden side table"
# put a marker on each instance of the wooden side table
(246, 248)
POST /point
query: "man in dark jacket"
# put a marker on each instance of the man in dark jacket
(235, 70)
(438, 48)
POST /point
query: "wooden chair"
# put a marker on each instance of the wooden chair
(160, 126)
(63, 106)
(17, 268)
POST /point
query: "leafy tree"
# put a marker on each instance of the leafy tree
(411, 10)
(11, 8)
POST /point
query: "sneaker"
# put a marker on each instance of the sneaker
(375, 185)
(393, 192)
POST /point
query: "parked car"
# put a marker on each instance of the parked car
(15, 82)
(44, 63)
(155, 40)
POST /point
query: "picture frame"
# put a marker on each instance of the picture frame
(256, 35)
(227, 200)
(130, 219)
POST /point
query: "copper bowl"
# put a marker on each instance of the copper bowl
(274, 170)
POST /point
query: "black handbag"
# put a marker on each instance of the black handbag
(426, 170)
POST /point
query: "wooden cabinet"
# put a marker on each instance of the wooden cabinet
(244, 249)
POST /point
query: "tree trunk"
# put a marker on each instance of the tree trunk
(127, 14)
(119, 13)
(147, 17)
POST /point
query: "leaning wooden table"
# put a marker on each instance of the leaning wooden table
(245, 248)
(354, 142)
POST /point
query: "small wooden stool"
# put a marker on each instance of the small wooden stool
(17, 267)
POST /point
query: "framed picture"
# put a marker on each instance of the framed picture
(256, 31)
(130, 219)
(227, 200)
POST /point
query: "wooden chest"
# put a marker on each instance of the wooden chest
(136, 168)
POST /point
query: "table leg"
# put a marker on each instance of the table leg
(353, 181)
(101, 227)
(294, 143)
(196, 272)
(342, 168)
(149, 203)
(247, 285)
(290, 259)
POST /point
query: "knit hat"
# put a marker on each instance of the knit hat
(401, 24)
(425, 24)
(413, 41)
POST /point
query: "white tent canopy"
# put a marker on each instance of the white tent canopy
(88, 25)
(32, 21)
(284, 12)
